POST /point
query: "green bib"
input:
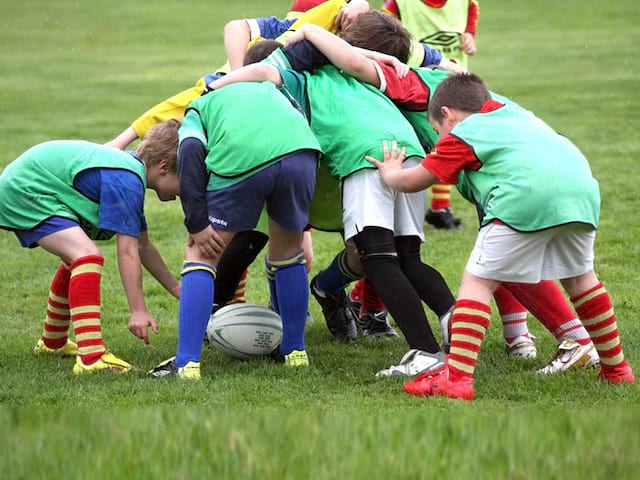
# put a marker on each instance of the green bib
(39, 183)
(531, 178)
(350, 119)
(439, 27)
(248, 126)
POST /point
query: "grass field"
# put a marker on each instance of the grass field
(74, 69)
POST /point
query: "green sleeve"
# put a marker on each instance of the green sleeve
(192, 127)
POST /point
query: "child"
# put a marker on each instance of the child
(231, 162)
(63, 195)
(349, 118)
(500, 156)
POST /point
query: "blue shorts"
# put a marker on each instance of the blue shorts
(29, 238)
(286, 187)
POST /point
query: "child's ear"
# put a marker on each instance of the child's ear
(163, 167)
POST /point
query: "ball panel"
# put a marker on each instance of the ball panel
(245, 330)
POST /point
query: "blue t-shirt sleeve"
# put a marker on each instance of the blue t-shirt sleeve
(431, 56)
(210, 77)
(120, 194)
(272, 27)
(121, 202)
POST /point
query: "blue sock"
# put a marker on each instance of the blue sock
(271, 278)
(196, 299)
(336, 276)
(292, 285)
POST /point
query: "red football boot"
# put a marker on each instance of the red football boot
(439, 383)
(619, 374)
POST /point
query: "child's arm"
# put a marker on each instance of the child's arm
(258, 72)
(413, 179)
(237, 36)
(123, 140)
(156, 266)
(130, 267)
(339, 52)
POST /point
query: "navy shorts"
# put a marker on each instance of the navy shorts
(30, 238)
(286, 187)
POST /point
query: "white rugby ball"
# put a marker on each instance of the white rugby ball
(244, 330)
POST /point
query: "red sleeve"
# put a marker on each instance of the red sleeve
(449, 157)
(304, 5)
(391, 7)
(472, 17)
(409, 92)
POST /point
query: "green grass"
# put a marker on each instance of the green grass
(86, 69)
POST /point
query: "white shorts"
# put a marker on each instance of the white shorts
(503, 254)
(368, 202)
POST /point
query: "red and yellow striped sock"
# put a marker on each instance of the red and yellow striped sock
(239, 295)
(469, 324)
(440, 196)
(84, 306)
(56, 324)
(595, 311)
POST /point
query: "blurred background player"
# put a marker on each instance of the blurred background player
(450, 27)
(87, 192)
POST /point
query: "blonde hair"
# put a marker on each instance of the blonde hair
(161, 143)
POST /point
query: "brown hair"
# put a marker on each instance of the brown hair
(380, 32)
(161, 143)
(260, 50)
(464, 92)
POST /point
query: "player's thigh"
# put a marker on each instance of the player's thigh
(293, 182)
(366, 202)
(501, 253)
(69, 243)
(192, 253)
(570, 251)
(409, 209)
(237, 208)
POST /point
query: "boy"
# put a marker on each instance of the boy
(231, 162)
(63, 195)
(500, 156)
(348, 118)
(411, 94)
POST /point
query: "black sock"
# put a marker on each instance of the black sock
(382, 269)
(426, 280)
(239, 254)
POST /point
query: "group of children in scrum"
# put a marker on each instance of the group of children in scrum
(335, 133)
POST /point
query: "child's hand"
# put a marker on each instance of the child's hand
(451, 66)
(208, 241)
(139, 324)
(392, 159)
(295, 36)
(349, 13)
(468, 43)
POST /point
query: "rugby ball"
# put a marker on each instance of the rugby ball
(244, 330)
